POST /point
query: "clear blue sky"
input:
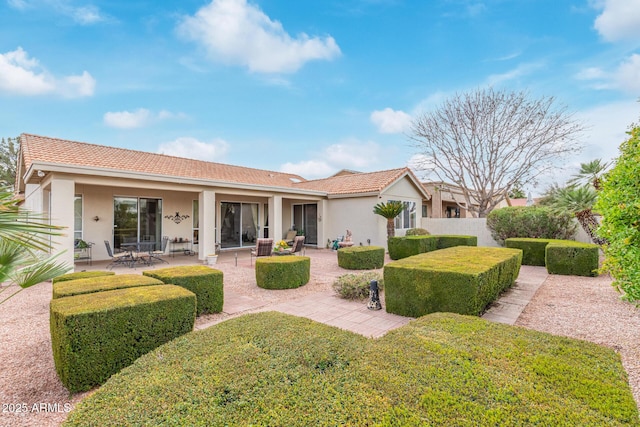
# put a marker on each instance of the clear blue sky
(305, 86)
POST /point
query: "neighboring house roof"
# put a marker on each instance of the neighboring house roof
(45, 150)
(40, 152)
(363, 182)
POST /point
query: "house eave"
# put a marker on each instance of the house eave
(110, 173)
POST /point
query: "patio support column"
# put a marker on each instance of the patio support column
(275, 212)
(322, 222)
(61, 213)
(207, 235)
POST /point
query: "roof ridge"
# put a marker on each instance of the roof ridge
(354, 175)
(109, 147)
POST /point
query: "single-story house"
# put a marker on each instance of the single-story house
(101, 193)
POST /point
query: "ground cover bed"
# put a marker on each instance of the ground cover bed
(441, 369)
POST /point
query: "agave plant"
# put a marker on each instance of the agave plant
(389, 210)
(24, 243)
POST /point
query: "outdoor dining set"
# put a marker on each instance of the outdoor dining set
(135, 253)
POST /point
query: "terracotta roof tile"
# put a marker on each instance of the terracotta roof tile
(354, 183)
(63, 152)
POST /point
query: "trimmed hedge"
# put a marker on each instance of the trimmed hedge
(403, 247)
(101, 283)
(361, 257)
(283, 272)
(440, 370)
(572, 258)
(82, 275)
(205, 282)
(533, 250)
(461, 280)
(94, 336)
(452, 240)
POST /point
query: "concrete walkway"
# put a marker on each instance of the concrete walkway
(356, 317)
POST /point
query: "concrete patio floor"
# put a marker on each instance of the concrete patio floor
(316, 300)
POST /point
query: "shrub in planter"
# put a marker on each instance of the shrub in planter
(572, 258)
(361, 257)
(403, 247)
(82, 275)
(356, 286)
(93, 336)
(205, 282)
(451, 240)
(101, 283)
(530, 221)
(282, 272)
(461, 280)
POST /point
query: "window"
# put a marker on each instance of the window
(407, 218)
(77, 217)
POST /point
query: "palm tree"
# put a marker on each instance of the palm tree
(23, 246)
(579, 201)
(389, 210)
(590, 173)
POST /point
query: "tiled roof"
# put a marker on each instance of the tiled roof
(70, 153)
(354, 183)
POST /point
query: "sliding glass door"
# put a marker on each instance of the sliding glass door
(305, 219)
(239, 224)
(136, 220)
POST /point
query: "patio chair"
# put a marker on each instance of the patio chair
(159, 253)
(264, 247)
(291, 234)
(119, 258)
(298, 245)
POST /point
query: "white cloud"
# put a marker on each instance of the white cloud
(138, 118)
(619, 20)
(519, 71)
(347, 155)
(422, 166)
(239, 33)
(309, 168)
(22, 75)
(628, 74)
(128, 120)
(192, 148)
(83, 15)
(391, 121)
(626, 77)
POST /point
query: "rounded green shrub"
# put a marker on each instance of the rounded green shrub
(283, 272)
(417, 232)
(356, 286)
(530, 221)
(361, 257)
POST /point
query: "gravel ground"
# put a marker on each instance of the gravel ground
(585, 308)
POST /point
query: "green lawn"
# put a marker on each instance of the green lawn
(442, 369)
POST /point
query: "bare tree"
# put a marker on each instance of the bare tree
(488, 141)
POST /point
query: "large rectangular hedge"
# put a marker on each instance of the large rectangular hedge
(460, 280)
(205, 282)
(95, 335)
(572, 258)
(403, 247)
(101, 283)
